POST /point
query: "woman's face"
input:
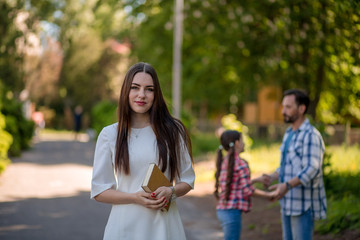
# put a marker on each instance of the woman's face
(141, 96)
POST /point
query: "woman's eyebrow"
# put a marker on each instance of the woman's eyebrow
(140, 85)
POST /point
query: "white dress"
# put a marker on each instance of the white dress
(133, 221)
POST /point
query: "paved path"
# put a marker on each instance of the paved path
(44, 194)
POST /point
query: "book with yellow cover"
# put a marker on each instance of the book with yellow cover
(154, 179)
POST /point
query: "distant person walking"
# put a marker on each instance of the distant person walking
(145, 133)
(38, 118)
(77, 120)
(233, 187)
(301, 188)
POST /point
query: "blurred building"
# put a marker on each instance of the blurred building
(264, 116)
(265, 120)
(267, 109)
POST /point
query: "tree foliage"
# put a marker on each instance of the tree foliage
(73, 63)
(230, 50)
(234, 48)
(10, 58)
(19, 24)
(89, 64)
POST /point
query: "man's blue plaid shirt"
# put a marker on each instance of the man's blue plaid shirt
(303, 159)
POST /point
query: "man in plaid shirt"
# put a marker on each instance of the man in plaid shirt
(301, 188)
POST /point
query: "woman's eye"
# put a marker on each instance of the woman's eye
(133, 87)
(150, 89)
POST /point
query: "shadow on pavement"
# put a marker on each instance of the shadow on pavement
(76, 217)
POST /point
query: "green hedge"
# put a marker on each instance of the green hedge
(5, 138)
(343, 212)
(18, 126)
(203, 143)
(5, 142)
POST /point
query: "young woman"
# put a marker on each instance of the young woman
(145, 133)
(233, 187)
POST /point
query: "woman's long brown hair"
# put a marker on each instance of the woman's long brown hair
(227, 137)
(169, 132)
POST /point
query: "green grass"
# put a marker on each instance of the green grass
(344, 159)
(264, 157)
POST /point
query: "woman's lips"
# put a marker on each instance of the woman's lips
(140, 103)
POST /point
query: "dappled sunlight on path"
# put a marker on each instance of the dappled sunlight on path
(49, 169)
(45, 194)
(30, 180)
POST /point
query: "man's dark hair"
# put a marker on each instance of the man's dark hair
(301, 97)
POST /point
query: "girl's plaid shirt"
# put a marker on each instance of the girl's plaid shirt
(241, 188)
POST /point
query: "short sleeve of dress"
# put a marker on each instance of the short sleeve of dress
(103, 177)
(187, 173)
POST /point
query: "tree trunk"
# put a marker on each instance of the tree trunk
(347, 132)
(317, 88)
(320, 73)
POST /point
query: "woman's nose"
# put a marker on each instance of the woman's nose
(142, 93)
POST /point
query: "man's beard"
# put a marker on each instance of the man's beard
(290, 119)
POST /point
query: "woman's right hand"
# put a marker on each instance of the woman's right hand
(145, 199)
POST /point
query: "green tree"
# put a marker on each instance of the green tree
(18, 20)
(233, 48)
(340, 98)
(89, 63)
(10, 58)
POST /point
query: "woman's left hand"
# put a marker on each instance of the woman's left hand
(163, 192)
(182, 188)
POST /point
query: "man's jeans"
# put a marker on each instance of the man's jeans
(298, 227)
(230, 222)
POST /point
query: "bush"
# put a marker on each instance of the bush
(18, 126)
(344, 214)
(5, 142)
(203, 143)
(339, 184)
(103, 114)
(343, 194)
(5, 138)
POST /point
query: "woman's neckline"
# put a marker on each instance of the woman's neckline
(139, 128)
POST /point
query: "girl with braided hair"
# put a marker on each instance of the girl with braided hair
(233, 187)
